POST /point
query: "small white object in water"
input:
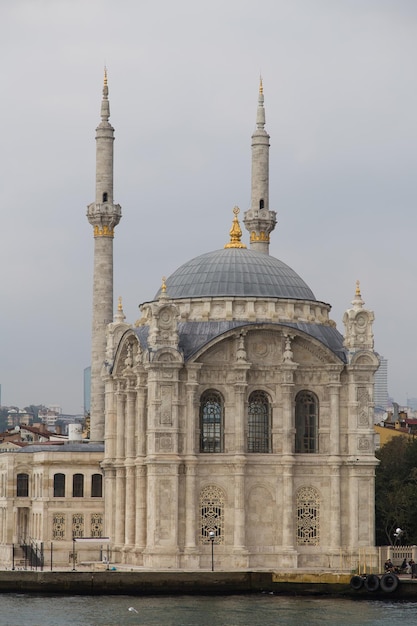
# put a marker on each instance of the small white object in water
(132, 609)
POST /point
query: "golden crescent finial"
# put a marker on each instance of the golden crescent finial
(164, 287)
(105, 76)
(261, 87)
(235, 232)
(358, 290)
(119, 306)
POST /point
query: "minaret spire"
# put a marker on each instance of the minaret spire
(259, 220)
(104, 216)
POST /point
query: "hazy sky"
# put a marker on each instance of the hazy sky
(341, 100)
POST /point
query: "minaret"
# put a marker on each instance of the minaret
(259, 220)
(104, 216)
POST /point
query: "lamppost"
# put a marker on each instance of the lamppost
(73, 554)
(212, 536)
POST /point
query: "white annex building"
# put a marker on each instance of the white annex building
(232, 411)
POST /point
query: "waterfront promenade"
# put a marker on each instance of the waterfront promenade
(140, 582)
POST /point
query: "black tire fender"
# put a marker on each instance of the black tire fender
(371, 582)
(356, 582)
(389, 582)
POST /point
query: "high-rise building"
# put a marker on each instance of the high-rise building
(381, 385)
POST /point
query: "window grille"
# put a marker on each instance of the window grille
(259, 422)
(308, 516)
(212, 514)
(78, 525)
(96, 525)
(211, 422)
(306, 422)
(58, 527)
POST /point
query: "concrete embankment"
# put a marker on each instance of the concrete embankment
(191, 583)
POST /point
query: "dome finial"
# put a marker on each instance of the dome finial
(119, 316)
(105, 106)
(163, 293)
(357, 300)
(235, 232)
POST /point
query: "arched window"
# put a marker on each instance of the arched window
(105, 196)
(96, 486)
(212, 514)
(59, 485)
(259, 439)
(22, 486)
(211, 422)
(78, 486)
(261, 203)
(308, 516)
(306, 422)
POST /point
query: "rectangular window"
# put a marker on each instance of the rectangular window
(22, 487)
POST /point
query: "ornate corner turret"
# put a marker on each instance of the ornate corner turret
(162, 317)
(114, 332)
(259, 220)
(358, 325)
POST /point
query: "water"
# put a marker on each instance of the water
(265, 610)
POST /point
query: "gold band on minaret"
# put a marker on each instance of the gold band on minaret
(104, 231)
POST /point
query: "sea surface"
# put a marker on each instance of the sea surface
(248, 610)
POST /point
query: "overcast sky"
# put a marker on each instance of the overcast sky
(341, 100)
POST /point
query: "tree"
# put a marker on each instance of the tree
(396, 490)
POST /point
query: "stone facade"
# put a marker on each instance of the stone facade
(270, 496)
(237, 421)
(48, 495)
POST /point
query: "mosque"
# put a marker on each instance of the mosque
(232, 418)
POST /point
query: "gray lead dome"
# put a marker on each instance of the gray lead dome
(236, 272)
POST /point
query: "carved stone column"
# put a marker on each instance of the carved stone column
(120, 421)
(288, 516)
(120, 507)
(335, 535)
(239, 548)
(287, 391)
(120, 500)
(191, 464)
(140, 505)
(130, 509)
(110, 430)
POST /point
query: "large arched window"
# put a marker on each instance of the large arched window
(22, 485)
(259, 422)
(211, 422)
(78, 486)
(306, 422)
(59, 485)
